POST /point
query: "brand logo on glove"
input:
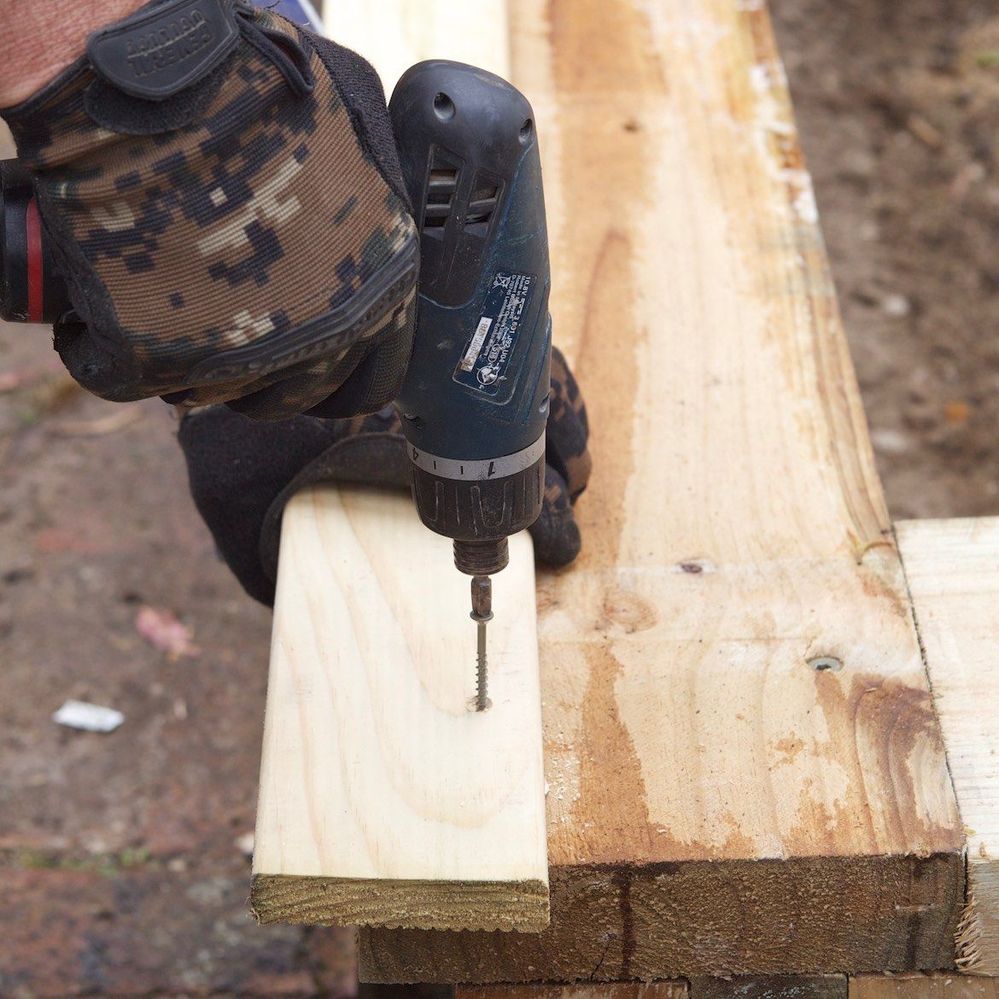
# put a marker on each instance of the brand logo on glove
(175, 42)
(165, 49)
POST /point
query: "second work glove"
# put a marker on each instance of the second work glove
(221, 192)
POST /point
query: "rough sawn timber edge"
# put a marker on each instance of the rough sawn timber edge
(319, 901)
(827, 839)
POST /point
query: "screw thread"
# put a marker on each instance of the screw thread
(481, 676)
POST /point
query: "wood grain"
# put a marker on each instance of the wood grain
(717, 805)
(939, 986)
(953, 571)
(384, 799)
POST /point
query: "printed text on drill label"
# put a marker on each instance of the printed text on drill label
(486, 357)
(472, 354)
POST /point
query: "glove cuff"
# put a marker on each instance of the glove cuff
(51, 127)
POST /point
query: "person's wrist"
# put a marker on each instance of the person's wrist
(39, 40)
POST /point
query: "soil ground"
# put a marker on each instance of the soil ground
(898, 106)
(124, 856)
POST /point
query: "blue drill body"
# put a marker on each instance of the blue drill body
(478, 380)
(475, 402)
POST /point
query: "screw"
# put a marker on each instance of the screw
(823, 663)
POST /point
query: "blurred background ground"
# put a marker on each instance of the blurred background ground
(124, 856)
(898, 106)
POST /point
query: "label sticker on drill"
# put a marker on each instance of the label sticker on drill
(487, 354)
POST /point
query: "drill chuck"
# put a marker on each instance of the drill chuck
(482, 557)
(479, 504)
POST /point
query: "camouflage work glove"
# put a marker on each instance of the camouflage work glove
(221, 191)
(243, 472)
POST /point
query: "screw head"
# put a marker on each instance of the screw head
(826, 663)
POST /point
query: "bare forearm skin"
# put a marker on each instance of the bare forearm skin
(40, 38)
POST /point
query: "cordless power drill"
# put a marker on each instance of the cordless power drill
(475, 400)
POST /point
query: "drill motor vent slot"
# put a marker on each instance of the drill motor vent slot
(482, 205)
(441, 187)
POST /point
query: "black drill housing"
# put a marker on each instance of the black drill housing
(475, 401)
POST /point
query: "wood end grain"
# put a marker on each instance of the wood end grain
(818, 915)
(435, 905)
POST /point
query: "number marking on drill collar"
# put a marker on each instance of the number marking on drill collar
(474, 470)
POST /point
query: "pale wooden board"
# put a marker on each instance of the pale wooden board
(395, 34)
(939, 986)
(383, 797)
(716, 806)
(953, 571)
(395, 805)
